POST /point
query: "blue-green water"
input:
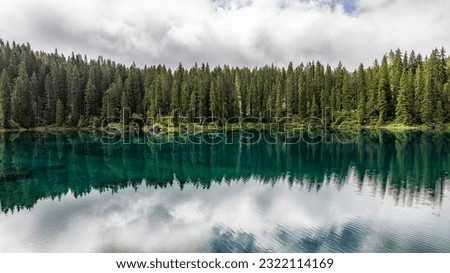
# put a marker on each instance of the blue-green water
(379, 192)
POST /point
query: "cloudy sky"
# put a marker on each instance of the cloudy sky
(235, 32)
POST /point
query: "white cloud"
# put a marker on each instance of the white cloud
(235, 32)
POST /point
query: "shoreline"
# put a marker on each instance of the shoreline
(198, 128)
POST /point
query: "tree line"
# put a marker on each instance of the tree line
(50, 89)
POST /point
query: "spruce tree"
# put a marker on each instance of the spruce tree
(60, 116)
(75, 95)
(21, 105)
(278, 97)
(446, 102)
(50, 105)
(439, 113)
(34, 92)
(347, 99)
(362, 95)
(426, 107)
(91, 100)
(419, 87)
(383, 92)
(5, 100)
(176, 93)
(303, 98)
(238, 94)
(403, 109)
(290, 90)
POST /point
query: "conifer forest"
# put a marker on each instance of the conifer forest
(50, 89)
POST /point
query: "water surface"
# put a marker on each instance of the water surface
(379, 192)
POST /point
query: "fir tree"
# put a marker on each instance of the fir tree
(362, 95)
(91, 100)
(22, 112)
(5, 100)
(60, 116)
(403, 109)
(383, 92)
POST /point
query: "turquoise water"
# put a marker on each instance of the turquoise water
(375, 192)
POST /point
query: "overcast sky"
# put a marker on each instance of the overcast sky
(235, 32)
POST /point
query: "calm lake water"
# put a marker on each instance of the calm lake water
(376, 192)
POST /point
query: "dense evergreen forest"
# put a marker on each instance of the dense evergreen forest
(42, 89)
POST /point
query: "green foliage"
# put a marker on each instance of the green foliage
(22, 112)
(383, 93)
(60, 115)
(362, 95)
(91, 100)
(404, 104)
(39, 89)
(5, 101)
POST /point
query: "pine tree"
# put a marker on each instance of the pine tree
(347, 99)
(362, 95)
(50, 109)
(193, 105)
(395, 73)
(403, 109)
(91, 100)
(290, 90)
(439, 113)
(34, 92)
(239, 97)
(446, 102)
(278, 97)
(133, 90)
(112, 99)
(21, 99)
(176, 93)
(60, 116)
(314, 108)
(5, 100)
(303, 98)
(372, 90)
(383, 93)
(419, 87)
(75, 95)
(203, 92)
(426, 108)
(186, 90)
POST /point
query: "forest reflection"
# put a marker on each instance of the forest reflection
(409, 166)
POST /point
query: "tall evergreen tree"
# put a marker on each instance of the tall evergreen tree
(291, 88)
(22, 112)
(50, 106)
(303, 98)
(60, 115)
(383, 92)
(362, 95)
(426, 107)
(76, 100)
(91, 100)
(404, 104)
(5, 100)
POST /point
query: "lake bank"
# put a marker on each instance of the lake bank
(212, 128)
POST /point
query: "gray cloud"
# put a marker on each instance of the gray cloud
(235, 32)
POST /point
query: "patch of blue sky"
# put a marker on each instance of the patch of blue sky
(350, 6)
